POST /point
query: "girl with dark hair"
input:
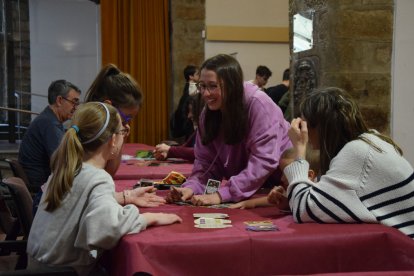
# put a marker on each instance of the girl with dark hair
(240, 137)
(119, 89)
(185, 151)
(78, 216)
(365, 178)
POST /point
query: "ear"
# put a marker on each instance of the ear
(59, 100)
(108, 102)
(311, 174)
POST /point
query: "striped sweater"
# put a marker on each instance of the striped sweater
(362, 185)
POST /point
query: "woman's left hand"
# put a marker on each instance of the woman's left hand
(210, 199)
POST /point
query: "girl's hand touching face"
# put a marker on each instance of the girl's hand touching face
(298, 134)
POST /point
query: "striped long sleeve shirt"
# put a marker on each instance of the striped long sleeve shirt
(362, 185)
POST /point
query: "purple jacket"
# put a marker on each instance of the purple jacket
(248, 164)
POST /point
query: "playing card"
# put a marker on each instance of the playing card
(211, 221)
(212, 186)
(262, 228)
(212, 226)
(259, 223)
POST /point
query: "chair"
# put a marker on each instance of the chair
(18, 171)
(23, 201)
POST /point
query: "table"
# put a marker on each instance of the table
(135, 170)
(182, 249)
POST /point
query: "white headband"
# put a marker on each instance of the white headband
(103, 127)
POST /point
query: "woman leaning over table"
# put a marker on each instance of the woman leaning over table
(365, 178)
(240, 138)
(119, 89)
(78, 217)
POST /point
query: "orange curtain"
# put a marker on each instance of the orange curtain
(135, 37)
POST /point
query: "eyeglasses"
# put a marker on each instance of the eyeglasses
(123, 131)
(75, 102)
(125, 118)
(211, 88)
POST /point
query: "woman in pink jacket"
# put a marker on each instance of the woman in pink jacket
(240, 138)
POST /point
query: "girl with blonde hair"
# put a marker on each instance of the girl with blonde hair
(78, 216)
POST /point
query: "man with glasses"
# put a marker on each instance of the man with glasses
(46, 131)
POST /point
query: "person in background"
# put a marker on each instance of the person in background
(45, 133)
(185, 151)
(120, 90)
(277, 92)
(180, 124)
(285, 104)
(277, 196)
(364, 177)
(263, 74)
(240, 137)
(78, 217)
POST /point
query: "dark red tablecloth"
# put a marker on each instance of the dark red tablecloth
(182, 249)
(137, 169)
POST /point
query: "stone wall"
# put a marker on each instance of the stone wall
(352, 50)
(187, 44)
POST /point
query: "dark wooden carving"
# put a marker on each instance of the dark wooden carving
(305, 79)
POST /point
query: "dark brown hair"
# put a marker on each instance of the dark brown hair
(336, 117)
(231, 119)
(114, 85)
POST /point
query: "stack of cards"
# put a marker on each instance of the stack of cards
(260, 225)
(210, 215)
(211, 220)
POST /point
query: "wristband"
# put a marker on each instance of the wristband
(300, 160)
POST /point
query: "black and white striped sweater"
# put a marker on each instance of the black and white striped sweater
(362, 185)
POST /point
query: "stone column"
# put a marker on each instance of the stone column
(352, 48)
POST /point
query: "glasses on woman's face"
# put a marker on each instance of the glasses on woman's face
(125, 118)
(211, 88)
(75, 102)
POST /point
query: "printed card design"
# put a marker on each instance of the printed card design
(212, 186)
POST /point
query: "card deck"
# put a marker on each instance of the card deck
(210, 215)
(260, 225)
(209, 226)
(211, 221)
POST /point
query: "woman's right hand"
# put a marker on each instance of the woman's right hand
(161, 218)
(179, 194)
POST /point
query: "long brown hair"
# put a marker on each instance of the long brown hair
(114, 85)
(336, 117)
(66, 162)
(231, 119)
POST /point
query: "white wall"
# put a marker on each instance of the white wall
(64, 44)
(259, 13)
(402, 126)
